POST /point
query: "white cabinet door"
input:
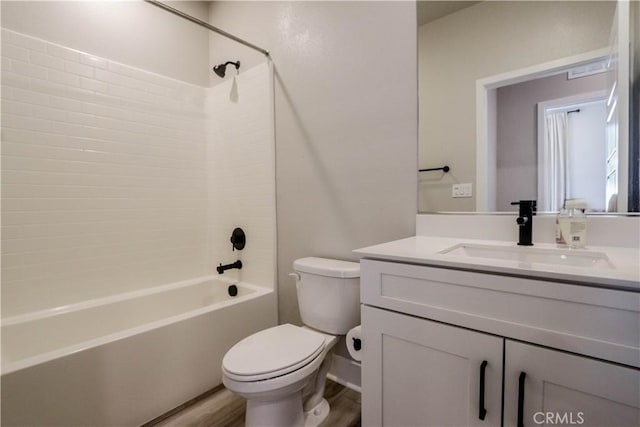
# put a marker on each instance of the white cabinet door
(561, 388)
(417, 372)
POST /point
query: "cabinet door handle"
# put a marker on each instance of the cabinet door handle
(483, 411)
(521, 399)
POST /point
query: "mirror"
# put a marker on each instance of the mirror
(499, 81)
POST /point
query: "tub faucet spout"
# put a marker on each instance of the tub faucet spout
(222, 268)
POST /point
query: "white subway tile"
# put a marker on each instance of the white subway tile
(63, 78)
(88, 96)
(80, 69)
(16, 108)
(86, 120)
(27, 42)
(120, 68)
(15, 80)
(6, 93)
(11, 232)
(46, 60)
(66, 103)
(105, 192)
(5, 34)
(39, 138)
(27, 123)
(29, 96)
(6, 64)
(131, 94)
(14, 52)
(42, 152)
(48, 88)
(94, 85)
(94, 61)
(63, 52)
(104, 76)
(144, 75)
(33, 111)
(111, 172)
(47, 113)
(152, 88)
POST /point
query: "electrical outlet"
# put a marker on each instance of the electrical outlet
(462, 190)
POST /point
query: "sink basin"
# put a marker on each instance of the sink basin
(531, 255)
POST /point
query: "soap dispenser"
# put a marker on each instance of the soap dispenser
(571, 224)
(561, 220)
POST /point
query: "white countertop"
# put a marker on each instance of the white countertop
(625, 273)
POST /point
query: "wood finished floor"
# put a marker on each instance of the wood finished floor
(224, 409)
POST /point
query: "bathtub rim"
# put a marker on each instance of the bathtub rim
(94, 302)
(257, 291)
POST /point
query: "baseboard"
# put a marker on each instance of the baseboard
(345, 371)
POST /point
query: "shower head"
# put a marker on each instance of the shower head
(221, 68)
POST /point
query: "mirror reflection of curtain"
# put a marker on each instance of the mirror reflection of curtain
(554, 166)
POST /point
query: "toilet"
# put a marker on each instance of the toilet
(281, 371)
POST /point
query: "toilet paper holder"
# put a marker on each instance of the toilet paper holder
(357, 344)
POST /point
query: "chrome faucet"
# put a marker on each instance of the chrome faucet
(525, 221)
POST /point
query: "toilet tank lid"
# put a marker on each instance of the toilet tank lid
(327, 267)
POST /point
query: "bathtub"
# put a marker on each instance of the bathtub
(125, 359)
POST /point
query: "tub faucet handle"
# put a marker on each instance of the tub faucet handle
(238, 239)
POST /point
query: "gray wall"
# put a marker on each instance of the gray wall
(132, 32)
(635, 102)
(517, 147)
(346, 122)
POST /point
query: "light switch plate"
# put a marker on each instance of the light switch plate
(462, 190)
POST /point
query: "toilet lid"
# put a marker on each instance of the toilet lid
(272, 352)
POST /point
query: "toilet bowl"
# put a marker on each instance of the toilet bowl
(281, 371)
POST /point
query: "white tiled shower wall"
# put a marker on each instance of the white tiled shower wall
(104, 177)
(241, 171)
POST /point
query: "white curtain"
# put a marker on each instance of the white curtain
(554, 165)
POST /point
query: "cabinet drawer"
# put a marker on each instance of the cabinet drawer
(602, 323)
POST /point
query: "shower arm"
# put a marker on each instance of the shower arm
(206, 25)
(235, 64)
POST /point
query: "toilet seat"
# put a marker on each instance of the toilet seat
(272, 352)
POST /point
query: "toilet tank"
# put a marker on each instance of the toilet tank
(328, 294)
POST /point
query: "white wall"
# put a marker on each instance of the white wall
(517, 137)
(588, 155)
(634, 149)
(486, 39)
(346, 112)
(130, 32)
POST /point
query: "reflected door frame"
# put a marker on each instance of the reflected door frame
(618, 102)
(486, 123)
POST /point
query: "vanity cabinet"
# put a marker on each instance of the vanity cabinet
(567, 354)
(420, 372)
(553, 387)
